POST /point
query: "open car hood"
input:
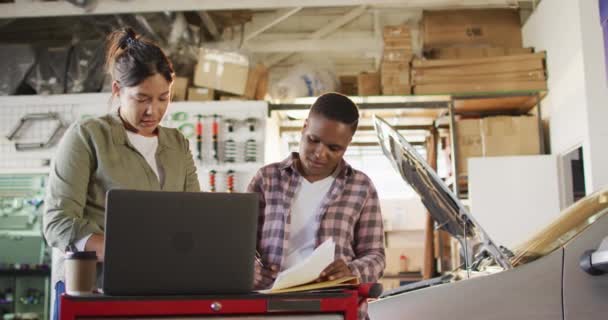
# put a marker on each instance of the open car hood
(443, 205)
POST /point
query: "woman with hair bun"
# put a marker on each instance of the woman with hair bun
(126, 148)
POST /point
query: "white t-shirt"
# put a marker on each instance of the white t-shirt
(303, 227)
(147, 147)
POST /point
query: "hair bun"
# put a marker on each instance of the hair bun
(128, 39)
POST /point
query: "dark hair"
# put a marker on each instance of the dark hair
(337, 107)
(130, 59)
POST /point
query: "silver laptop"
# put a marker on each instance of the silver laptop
(179, 243)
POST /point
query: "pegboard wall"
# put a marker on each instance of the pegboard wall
(240, 135)
(67, 108)
(241, 130)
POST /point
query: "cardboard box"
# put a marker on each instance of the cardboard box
(262, 87)
(496, 136)
(396, 55)
(255, 81)
(480, 87)
(221, 70)
(348, 85)
(200, 94)
(482, 69)
(368, 84)
(179, 90)
(398, 43)
(474, 52)
(468, 133)
(505, 136)
(396, 31)
(396, 90)
(519, 58)
(492, 27)
(537, 75)
(395, 73)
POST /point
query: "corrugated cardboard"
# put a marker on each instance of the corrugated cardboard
(262, 87)
(200, 94)
(255, 77)
(496, 136)
(474, 52)
(368, 84)
(396, 90)
(469, 142)
(221, 70)
(395, 73)
(179, 90)
(398, 43)
(396, 55)
(535, 75)
(481, 69)
(419, 63)
(480, 87)
(396, 31)
(492, 27)
(348, 85)
(504, 136)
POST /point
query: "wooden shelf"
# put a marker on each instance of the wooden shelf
(506, 102)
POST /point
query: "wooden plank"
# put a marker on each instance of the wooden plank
(536, 75)
(517, 104)
(474, 52)
(480, 87)
(418, 63)
(480, 69)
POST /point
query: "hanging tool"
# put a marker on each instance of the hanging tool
(229, 144)
(212, 174)
(230, 181)
(251, 146)
(230, 151)
(199, 137)
(216, 128)
(32, 117)
(251, 150)
(251, 122)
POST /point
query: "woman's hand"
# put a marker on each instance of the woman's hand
(96, 243)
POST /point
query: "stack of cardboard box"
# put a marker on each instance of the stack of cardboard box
(473, 51)
(522, 72)
(395, 68)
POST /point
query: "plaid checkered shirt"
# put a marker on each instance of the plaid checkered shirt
(349, 213)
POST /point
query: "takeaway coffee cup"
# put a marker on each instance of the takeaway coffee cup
(80, 272)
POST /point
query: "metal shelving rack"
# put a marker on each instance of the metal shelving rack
(490, 103)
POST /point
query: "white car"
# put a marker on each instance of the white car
(561, 273)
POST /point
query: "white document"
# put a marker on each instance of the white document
(308, 269)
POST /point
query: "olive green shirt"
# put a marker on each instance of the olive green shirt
(95, 156)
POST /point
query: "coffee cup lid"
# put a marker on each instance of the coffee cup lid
(82, 255)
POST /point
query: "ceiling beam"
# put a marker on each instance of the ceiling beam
(322, 32)
(209, 24)
(277, 18)
(63, 8)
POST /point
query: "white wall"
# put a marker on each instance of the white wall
(512, 198)
(569, 30)
(596, 91)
